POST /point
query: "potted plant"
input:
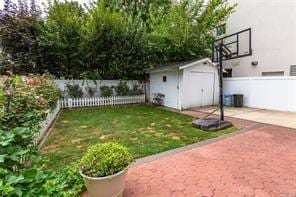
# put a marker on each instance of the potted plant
(104, 168)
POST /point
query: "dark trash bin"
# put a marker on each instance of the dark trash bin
(238, 100)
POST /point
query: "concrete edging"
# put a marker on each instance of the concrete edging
(157, 156)
(47, 133)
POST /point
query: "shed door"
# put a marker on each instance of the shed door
(201, 89)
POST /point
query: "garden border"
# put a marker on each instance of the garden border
(47, 124)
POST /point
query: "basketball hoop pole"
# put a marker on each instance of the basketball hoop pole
(221, 82)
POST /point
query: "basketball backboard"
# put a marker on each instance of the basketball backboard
(238, 44)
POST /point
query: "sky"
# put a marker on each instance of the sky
(39, 2)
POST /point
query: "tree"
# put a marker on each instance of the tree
(114, 44)
(136, 9)
(60, 40)
(18, 35)
(109, 40)
(186, 31)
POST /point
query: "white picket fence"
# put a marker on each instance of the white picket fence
(102, 101)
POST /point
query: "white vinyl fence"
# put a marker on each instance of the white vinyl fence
(46, 124)
(276, 93)
(102, 101)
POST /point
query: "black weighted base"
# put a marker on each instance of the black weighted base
(211, 124)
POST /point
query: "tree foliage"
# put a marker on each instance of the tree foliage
(60, 37)
(186, 31)
(18, 35)
(109, 39)
(114, 44)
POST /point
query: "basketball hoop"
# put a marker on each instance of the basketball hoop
(234, 46)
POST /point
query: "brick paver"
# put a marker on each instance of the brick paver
(260, 162)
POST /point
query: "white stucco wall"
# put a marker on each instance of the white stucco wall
(170, 88)
(96, 85)
(273, 24)
(277, 93)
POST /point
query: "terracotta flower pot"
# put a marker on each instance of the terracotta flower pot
(109, 186)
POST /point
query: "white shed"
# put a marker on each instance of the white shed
(185, 84)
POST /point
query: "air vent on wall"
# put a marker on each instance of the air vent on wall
(293, 70)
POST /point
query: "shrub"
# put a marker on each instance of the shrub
(91, 91)
(65, 182)
(137, 90)
(21, 169)
(74, 90)
(106, 91)
(24, 102)
(122, 89)
(20, 178)
(105, 159)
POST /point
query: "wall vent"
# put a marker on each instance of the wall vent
(293, 70)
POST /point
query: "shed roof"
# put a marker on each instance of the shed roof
(179, 65)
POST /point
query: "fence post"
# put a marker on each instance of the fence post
(69, 102)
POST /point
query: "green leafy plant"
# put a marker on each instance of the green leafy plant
(91, 91)
(74, 90)
(105, 159)
(106, 91)
(30, 99)
(21, 171)
(65, 182)
(18, 159)
(122, 89)
(21, 166)
(137, 90)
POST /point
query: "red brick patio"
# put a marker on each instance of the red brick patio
(260, 162)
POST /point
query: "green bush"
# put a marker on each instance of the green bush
(20, 178)
(24, 102)
(106, 91)
(28, 178)
(137, 90)
(21, 166)
(122, 89)
(74, 90)
(91, 91)
(105, 159)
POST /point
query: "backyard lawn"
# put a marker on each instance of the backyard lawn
(144, 129)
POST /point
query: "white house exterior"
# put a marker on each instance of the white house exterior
(185, 84)
(273, 24)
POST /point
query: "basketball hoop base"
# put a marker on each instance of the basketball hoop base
(211, 124)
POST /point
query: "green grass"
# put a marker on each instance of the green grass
(144, 129)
